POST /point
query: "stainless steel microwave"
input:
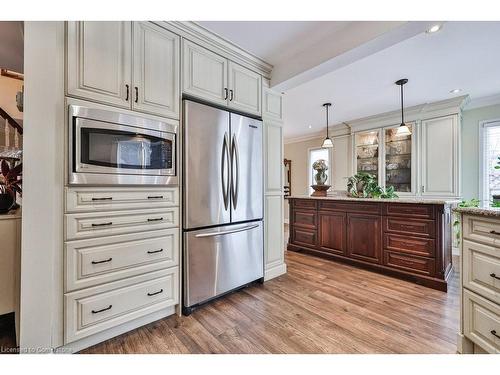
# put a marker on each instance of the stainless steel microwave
(114, 148)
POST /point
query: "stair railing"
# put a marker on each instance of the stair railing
(11, 125)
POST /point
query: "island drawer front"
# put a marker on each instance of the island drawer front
(97, 261)
(303, 237)
(96, 309)
(411, 245)
(306, 219)
(409, 262)
(304, 203)
(481, 321)
(481, 269)
(412, 227)
(481, 229)
(87, 225)
(81, 199)
(364, 207)
(423, 211)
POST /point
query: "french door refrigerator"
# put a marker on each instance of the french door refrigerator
(223, 243)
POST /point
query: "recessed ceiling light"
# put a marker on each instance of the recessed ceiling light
(455, 91)
(310, 126)
(433, 29)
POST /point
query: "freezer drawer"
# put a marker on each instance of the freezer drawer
(220, 259)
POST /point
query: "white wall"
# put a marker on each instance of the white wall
(42, 226)
(470, 147)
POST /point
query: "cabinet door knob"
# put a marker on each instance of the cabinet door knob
(494, 276)
(105, 309)
(494, 232)
(225, 93)
(155, 293)
(136, 94)
(494, 333)
(231, 96)
(128, 91)
(103, 199)
(155, 197)
(102, 261)
(102, 224)
(154, 251)
(156, 219)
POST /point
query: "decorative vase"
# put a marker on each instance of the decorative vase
(6, 202)
(320, 177)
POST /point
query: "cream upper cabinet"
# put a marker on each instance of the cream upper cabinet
(439, 168)
(204, 73)
(273, 157)
(156, 70)
(245, 89)
(272, 105)
(99, 58)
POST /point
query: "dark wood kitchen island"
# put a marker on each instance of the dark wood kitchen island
(406, 238)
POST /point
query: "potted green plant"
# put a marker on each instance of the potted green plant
(10, 184)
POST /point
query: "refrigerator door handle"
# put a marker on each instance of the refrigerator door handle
(225, 171)
(213, 234)
(235, 160)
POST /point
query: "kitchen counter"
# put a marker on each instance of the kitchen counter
(385, 200)
(480, 211)
(14, 214)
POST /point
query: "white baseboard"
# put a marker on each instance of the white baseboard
(87, 342)
(275, 272)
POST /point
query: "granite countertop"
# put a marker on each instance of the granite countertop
(480, 211)
(387, 200)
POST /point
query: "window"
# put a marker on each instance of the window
(314, 155)
(490, 144)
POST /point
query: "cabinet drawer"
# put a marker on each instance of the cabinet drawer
(96, 309)
(303, 237)
(409, 263)
(364, 207)
(481, 321)
(411, 245)
(85, 225)
(481, 229)
(304, 218)
(110, 199)
(304, 203)
(412, 227)
(423, 211)
(101, 260)
(481, 269)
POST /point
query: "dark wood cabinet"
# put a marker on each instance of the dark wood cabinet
(407, 240)
(364, 235)
(332, 232)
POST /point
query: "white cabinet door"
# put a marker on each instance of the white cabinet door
(204, 74)
(245, 89)
(156, 70)
(439, 169)
(273, 156)
(99, 61)
(273, 105)
(274, 249)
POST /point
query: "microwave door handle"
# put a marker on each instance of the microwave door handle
(236, 162)
(225, 171)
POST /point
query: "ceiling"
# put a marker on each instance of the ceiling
(12, 46)
(359, 77)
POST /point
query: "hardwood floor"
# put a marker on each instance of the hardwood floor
(319, 306)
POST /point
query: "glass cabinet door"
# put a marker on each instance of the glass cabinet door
(398, 160)
(367, 152)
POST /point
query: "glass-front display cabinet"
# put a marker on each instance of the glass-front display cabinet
(398, 159)
(367, 152)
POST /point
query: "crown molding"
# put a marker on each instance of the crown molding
(200, 35)
(334, 133)
(485, 101)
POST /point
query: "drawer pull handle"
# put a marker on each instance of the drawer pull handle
(154, 251)
(494, 232)
(102, 261)
(157, 219)
(494, 333)
(99, 311)
(494, 276)
(156, 197)
(155, 293)
(102, 224)
(103, 199)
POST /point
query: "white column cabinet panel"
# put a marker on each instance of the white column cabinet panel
(245, 89)
(99, 58)
(440, 142)
(274, 255)
(204, 74)
(272, 105)
(273, 157)
(156, 70)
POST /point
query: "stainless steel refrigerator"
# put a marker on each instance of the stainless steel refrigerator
(223, 243)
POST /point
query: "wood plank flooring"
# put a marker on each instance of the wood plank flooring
(319, 306)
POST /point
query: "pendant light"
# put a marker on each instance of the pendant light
(327, 143)
(403, 128)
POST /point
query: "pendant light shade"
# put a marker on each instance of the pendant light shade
(403, 128)
(327, 143)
